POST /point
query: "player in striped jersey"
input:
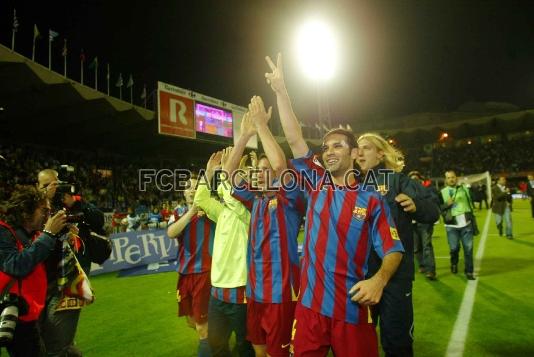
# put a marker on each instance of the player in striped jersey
(194, 232)
(272, 257)
(343, 224)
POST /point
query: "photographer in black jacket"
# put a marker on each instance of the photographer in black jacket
(60, 318)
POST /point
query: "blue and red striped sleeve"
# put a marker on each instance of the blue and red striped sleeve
(384, 233)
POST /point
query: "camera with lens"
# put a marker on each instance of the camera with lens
(12, 306)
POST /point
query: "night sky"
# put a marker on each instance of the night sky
(399, 57)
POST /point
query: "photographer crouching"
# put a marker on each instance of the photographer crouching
(59, 321)
(23, 284)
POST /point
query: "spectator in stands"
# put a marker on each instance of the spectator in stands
(59, 320)
(23, 250)
(154, 218)
(132, 221)
(165, 212)
(530, 192)
(195, 233)
(502, 207)
(456, 197)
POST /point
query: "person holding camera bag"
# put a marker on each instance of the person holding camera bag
(456, 198)
(23, 283)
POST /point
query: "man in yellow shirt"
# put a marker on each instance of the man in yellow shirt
(227, 311)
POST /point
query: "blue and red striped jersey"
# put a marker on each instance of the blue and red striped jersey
(195, 243)
(272, 255)
(342, 225)
(230, 295)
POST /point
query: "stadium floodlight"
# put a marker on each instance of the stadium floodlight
(317, 50)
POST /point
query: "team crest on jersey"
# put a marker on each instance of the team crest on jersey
(382, 189)
(394, 233)
(273, 203)
(359, 213)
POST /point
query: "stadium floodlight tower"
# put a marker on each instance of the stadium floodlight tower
(317, 54)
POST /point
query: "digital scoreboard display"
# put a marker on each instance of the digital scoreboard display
(213, 120)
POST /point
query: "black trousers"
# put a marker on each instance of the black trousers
(394, 313)
(26, 341)
(223, 318)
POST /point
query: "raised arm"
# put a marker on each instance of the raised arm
(290, 124)
(248, 130)
(260, 118)
(177, 227)
(203, 199)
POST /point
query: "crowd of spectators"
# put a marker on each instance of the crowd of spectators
(496, 157)
(108, 181)
(111, 182)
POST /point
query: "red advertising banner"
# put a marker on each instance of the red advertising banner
(176, 115)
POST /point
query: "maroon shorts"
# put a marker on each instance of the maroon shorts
(314, 334)
(270, 325)
(193, 296)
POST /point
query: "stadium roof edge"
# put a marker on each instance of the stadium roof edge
(49, 77)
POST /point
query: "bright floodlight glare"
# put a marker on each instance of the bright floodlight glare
(317, 50)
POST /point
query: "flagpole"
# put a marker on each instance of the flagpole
(120, 92)
(49, 51)
(65, 58)
(107, 78)
(131, 94)
(96, 76)
(14, 29)
(33, 49)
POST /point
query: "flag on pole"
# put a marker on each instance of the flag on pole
(36, 36)
(107, 78)
(143, 95)
(64, 54)
(51, 36)
(119, 84)
(15, 21)
(15, 29)
(82, 60)
(130, 85)
(94, 65)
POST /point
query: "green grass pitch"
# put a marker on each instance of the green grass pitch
(136, 316)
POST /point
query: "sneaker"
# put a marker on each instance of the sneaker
(422, 270)
(431, 276)
(454, 269)
(470, 276)
(510, 237)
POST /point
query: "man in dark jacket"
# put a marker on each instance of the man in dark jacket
(59, 320)
(407, 200)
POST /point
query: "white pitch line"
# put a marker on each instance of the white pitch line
(461, 326)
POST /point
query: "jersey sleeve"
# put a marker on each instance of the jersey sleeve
(244, 195)
(383, 232)
(308, 171)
